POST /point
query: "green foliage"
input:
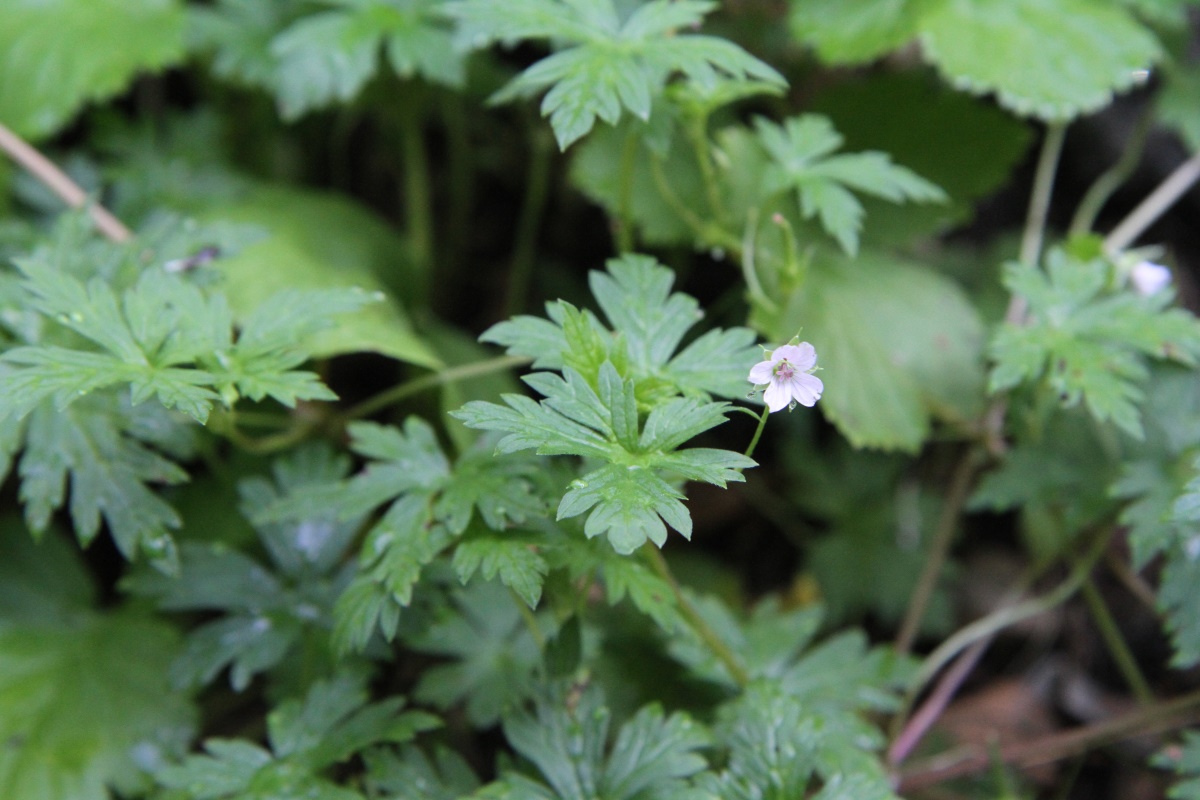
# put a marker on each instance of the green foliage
(319, 241)
(46, 77)
(161, 334)
(898, 344)
(493, 654)
(565, 741)
(306, 737)
(180, 391)
(430, 505)
(962, 144)
(1186, 763)
(84, 701)
(270, 616)
(1088, 340)
(801, 153)
(596, 413)
(320, 59)
(606, 65)
(1022, 51)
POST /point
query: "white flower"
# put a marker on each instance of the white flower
(1149, 278)
(787, 376)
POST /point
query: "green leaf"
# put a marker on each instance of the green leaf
(80, 700)
(960, 143)
(897, 343)
(511, 557)
(565, 739)
(267, 615)
(607, 66)
(319, 241)
(853, 33)
(1177, 107)
(331, 724)
(649, 322)
(494, 654)
(802, 153)
(1051, 59)
(650, 594)
(109, 462)
(323, 59)
(58, 55)
(1185, 761)
(412, 774)
(1088, 342)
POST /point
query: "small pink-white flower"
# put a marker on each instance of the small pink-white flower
(787, 374)
(1149, 278)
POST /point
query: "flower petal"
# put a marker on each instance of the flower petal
(806, 389)
(777, 397)
(802, 356)
(762, 372)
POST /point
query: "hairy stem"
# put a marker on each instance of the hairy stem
(1116, 644)
(762, 423)
(418, 201)
(1154, 206)
(711, 235)
(537, 185)
(1039, 205)
(1111, 179)
(625, 193)
(426, 382)
(57, 181)
(698, 623)
(939, 547)
(1005, 617)
(698, 136)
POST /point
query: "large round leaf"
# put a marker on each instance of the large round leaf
(321, 241)
(897, 343)
(56, 55)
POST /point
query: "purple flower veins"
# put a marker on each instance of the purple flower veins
(787, 374)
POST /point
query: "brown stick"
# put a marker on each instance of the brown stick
(57, 181)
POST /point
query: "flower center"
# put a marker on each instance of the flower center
(784, 370)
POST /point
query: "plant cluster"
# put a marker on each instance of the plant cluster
(283, 523)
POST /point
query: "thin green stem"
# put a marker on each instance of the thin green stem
(939, 547)
(698, 623)
(625, 192)
(1043, 188)
(1111, 179)
(1117, 646)
(537, 186)
(762, 423)
(749, 273)
(462, 186)
(697, 131)
(1154, 206)
(530, 620)
(1010, 615)
(426, 382)
(711, 235)
(418, 199)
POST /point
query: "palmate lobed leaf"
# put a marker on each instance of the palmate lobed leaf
(1088, 342)
(608, 66)
(649, 322)
(802, 148)
(653, 754)
(79, 699)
